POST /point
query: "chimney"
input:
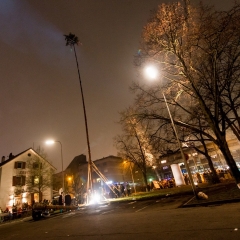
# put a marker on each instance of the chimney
(3, 159)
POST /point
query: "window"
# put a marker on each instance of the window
(19, 180)
(36, 180)
(21, 165)
(37, 165)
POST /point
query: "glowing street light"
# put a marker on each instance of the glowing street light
(152, 72)
(51, 142)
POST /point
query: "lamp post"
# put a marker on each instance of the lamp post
(152, 72)
(50, 142)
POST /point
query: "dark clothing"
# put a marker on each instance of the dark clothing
(60, 202)
(68, 200)
(122, 190)
(128, 189)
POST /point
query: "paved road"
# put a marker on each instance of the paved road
(152, 219)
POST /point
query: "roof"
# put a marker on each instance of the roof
(111, 157)
(15, 156)
(80, 159)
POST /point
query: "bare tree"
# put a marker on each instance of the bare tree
(134, 144)
(75, 184)
(198, 52)
(39, 176)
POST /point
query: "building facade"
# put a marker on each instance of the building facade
(115, 170)
(25, 178)
(197, 162)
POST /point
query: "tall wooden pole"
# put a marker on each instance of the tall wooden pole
(72, 40)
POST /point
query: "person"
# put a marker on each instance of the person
(152, 186)
(119, 190)
(186, 179)
(6, 210)
(85, 197)
(14, 211)
(169, 183)
(60, 200)
(128, 189)
(68, 199)
(122, 190)
(199, 179)
(19, 212)
(1, 218)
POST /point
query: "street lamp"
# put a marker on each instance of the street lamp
(152, 73)
(50, 142)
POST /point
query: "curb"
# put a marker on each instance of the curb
(27, 218)
(219, 202)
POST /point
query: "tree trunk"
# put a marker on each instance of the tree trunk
(223, 146)
(215, 178)
(145, 180)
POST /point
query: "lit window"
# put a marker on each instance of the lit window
(36, 180)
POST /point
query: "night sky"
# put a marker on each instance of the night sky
(40, 95)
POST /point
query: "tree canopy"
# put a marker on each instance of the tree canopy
(196, 50)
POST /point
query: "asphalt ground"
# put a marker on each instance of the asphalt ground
(181, 197)
(147, 219)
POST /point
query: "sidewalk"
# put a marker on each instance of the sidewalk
(28, 217)
(221, 193)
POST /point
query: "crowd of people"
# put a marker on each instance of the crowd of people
(15, 212)
(204, 177)
(208, 177)
(120, 190)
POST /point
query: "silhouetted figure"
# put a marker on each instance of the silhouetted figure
(60, 200)
(68, 200)
(128, 189)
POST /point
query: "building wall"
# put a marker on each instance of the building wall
(8, 194)
(111, 167)
(198, 162)
(115, 169)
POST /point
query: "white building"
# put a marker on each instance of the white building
(15, 179)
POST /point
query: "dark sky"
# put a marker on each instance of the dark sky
(40, 94)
